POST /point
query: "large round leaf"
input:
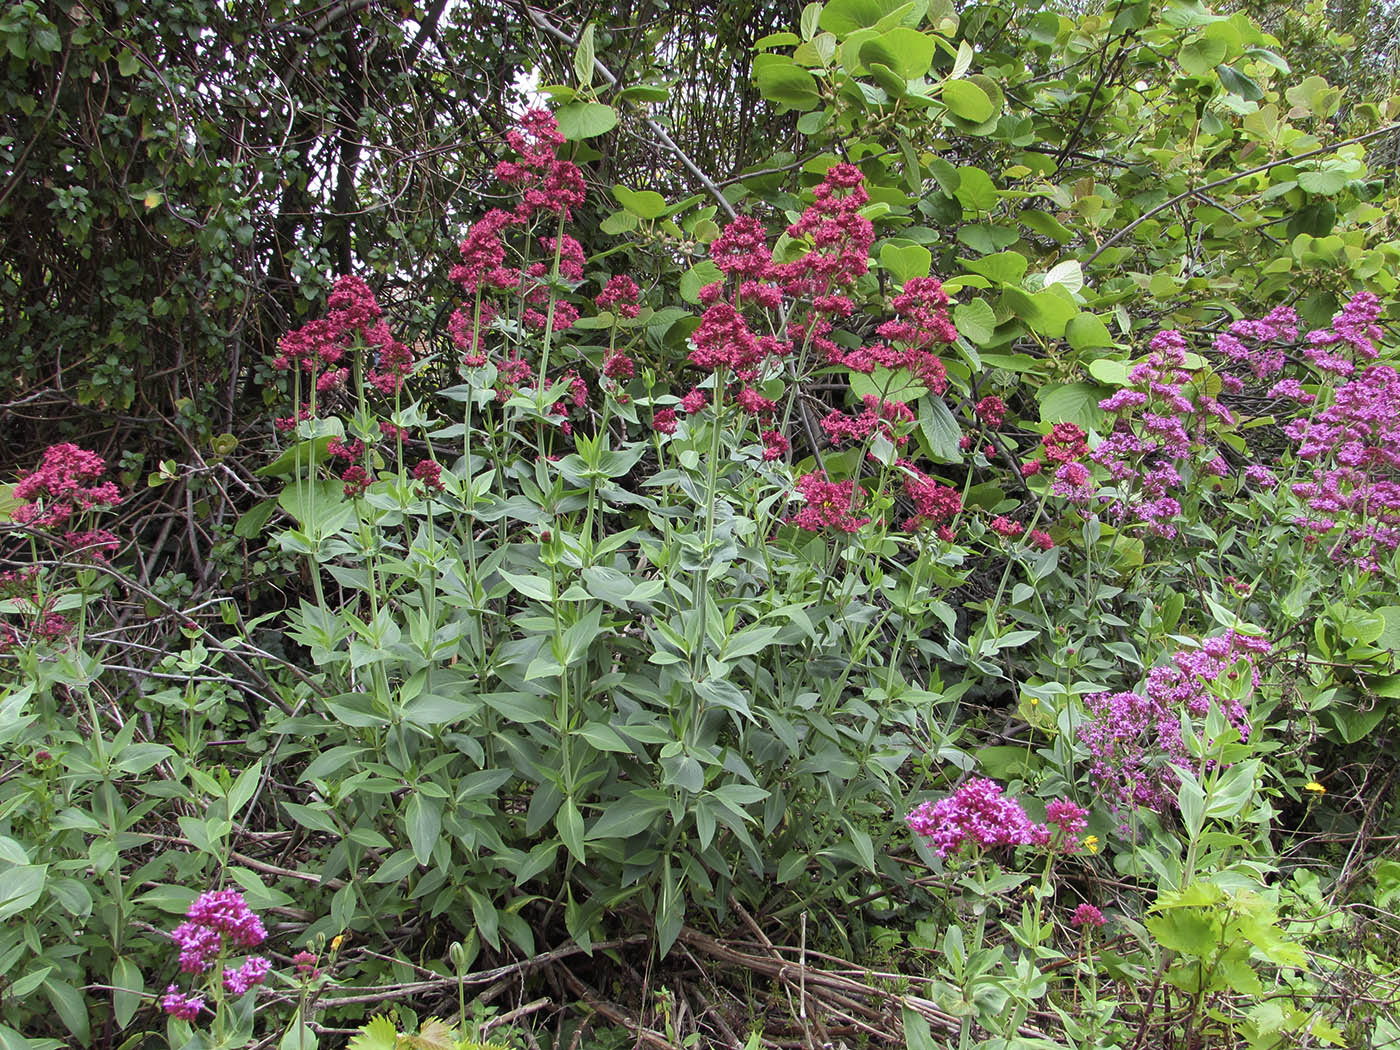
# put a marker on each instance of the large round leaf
(783, 81)
(967, 100)
(585, 120)
(1076, 403)
(846, 16)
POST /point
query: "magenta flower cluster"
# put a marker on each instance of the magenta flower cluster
(66, 485)
(217, 922)
(977, 814)
(1353, 449)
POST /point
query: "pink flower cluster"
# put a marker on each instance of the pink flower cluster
(979, 815)
(1135, 738)
(547, 183)
(64, 484)
(620, 295)
(217, 921)
(935, 504)
(892, 420)
(1087, 915)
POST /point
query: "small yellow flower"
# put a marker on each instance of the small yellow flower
(1091, 843)
(1035, 700)
(337, 941)
(1314, 787)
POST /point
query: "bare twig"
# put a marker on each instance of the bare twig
(1194, 190)
(542, 22)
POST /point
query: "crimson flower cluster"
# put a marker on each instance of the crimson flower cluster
(829, 505)
(319, 348)
(66, 485)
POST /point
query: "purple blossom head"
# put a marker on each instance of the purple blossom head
(976, 813)
(251, 974)
(198, 946)
(177, 1004)
(1087, 915)
(1071, 819)
(1134, 739)
(227, 913)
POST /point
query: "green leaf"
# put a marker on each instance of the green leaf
(723, 693)
(1325, 181)
(569, 824)
(1085, 331)
(1109, 371)
(72, 1010)
(940, 430)
(1237, 83)
(127, 65)
(300, 458)
(976, 191)
(1389, 638)
(917, 1034)
(251, 522)
(21, 888)
(891, 82)
(1048, 312)
(604, 738)
(907, 51)
(127, 986)
(985, 239)
(1201, 54)
(536, 587)
(585, 120)
(1076, 403)
(1068, 275)
(1003, 267)
(46, 36)
(905, 261)
(968, 101)
(583, 57)
(898, 385)
(1186, 931)
(243, 789)
(630, 815)
(320, 507)
(783, 81)
(379, 1033)
(846, 16)
(423, 822)
(1046, 225)
(975, 321)
(1183, 14)
(313, 818)
(645, 204)
(645, 93)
